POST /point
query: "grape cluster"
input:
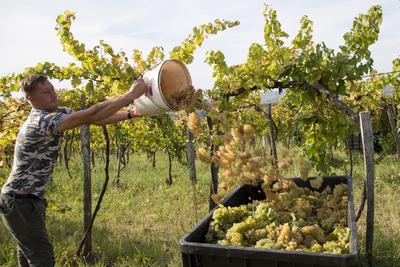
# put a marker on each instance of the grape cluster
(317, 182)
(194, 124)
(202, 155)
(292, 218)
(305, 167)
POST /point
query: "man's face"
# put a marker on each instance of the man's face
(44, 97)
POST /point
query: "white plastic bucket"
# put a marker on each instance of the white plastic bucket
(164, 80)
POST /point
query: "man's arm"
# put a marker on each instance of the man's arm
(103, 110)
(117, 117)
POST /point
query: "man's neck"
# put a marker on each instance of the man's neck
(44, 109)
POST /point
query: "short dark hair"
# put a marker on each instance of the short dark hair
(29, 82)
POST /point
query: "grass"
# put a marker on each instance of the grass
(387, 210)
(141, 221)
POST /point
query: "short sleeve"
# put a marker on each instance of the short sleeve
(49, 123)
(65, 110)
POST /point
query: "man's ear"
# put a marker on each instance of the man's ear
(29, 98)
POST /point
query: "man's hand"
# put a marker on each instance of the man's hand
(138, 88)
(134, 113)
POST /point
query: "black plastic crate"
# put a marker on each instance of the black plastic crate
(197, 253)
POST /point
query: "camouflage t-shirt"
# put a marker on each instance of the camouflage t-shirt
(36, 151)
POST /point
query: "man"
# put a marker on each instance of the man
(22, 203)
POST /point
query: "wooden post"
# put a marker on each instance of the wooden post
(213, 169)
(154, 160)
(263, 147)
(350, 154)
(93, 159)
(272, 134)
(169, 179)
(191, 156)
(191, 161)
(368, 149)
(121, 151)
(213, 185)
(393, 126)
(87, 190)
(103, 191)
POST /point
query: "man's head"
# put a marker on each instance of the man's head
(40, 92)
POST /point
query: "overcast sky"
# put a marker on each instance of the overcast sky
(28, 36)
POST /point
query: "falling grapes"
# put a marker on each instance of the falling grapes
(194, 123)
(290, 218)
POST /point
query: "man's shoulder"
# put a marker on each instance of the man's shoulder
(41, 113)
(40, 122)
(65, 110)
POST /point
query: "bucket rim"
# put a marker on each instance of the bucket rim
(159, 78)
